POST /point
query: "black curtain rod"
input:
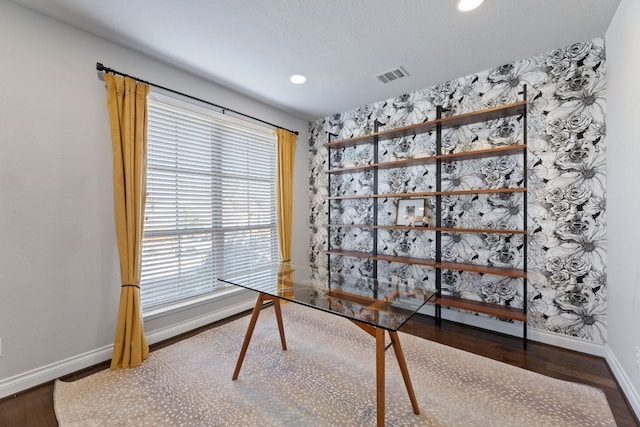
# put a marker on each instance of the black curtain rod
(104, 69)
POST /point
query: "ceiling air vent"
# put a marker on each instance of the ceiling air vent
(392, 75)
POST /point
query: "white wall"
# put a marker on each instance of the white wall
(623, 184)
(59, 274)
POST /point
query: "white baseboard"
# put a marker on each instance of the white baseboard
(627, 387)
(44, 374)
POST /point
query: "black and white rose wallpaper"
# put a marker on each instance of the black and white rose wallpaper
(566, 199)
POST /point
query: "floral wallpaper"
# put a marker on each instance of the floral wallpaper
(566, 199)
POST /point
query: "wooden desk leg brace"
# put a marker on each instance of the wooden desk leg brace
(252, 324)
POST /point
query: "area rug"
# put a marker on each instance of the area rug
(325, 378)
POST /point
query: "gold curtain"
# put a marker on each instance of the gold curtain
(284, 190)
(284, 203)
(127, 103)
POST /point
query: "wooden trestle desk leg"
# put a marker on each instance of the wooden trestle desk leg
(405, 372)
(380, 350)
(252, 325)
(276, 305)
(379, 335)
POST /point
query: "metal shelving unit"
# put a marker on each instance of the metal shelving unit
(440, 158)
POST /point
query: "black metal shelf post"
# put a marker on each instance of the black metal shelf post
(438, 307)
(330, 137)
(375, 160)
(525, 203)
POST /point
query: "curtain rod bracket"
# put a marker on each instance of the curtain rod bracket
(104, 69)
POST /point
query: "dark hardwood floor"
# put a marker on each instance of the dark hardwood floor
(541, 358)
(34, 408)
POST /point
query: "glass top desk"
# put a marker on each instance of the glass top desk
(374, 305)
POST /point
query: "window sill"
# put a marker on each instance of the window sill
(192, 303)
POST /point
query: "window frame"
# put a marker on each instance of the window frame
(272, 251)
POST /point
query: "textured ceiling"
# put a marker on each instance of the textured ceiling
(253, 46)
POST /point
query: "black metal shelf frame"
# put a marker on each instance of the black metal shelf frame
(438, 125)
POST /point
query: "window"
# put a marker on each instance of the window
(210, 201)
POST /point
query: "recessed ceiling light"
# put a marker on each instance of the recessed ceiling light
(298, 79)
(467, 5)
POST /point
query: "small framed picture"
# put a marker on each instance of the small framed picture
(411, 212)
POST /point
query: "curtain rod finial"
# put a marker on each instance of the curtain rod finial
(99, 66)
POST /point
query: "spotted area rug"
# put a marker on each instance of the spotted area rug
(325, 378)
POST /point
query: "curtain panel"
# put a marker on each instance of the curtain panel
(127, 105)
(286, 144)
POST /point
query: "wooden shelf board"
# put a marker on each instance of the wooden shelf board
(351, 297)
(384, 165)
(487, 114)
(481, 191)
(487, 152)
(483, 307)
(353, 197)
(382, 227)
(386, 195)
(405, 260)
(409, 130)
(485, 269)
(474, 268)
(444, 229)
(479, 230)
(352, 169)
(351, 142)
(431, 193)
(349, 253)
(477, 154)
(382, 257)
(405, 162)
(406, 195)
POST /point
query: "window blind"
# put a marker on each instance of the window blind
(210, 201)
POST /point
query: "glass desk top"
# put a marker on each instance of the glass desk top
(387, 304)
